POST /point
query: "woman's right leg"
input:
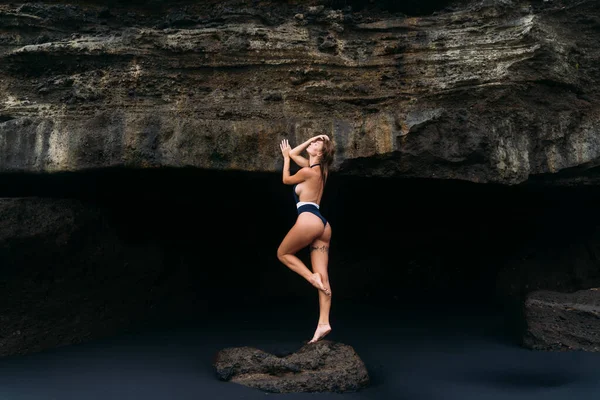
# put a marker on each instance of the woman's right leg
(304, 231)
(319, 258)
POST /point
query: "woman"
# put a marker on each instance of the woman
(311, 228)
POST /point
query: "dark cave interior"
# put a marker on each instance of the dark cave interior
(392, 238)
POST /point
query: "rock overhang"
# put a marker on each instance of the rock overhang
(481, 91)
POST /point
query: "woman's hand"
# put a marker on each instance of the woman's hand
(285, 148)
(324, 137)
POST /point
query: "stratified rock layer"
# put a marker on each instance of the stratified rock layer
(563, 321)
(323, 366)
(493, 91)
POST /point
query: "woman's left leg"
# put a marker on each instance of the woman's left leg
(307, 227)
(319, 257)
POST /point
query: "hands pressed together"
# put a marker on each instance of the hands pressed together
(285, 148)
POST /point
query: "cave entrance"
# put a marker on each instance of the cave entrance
(392, 238)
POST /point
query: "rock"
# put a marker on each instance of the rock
(337, 27)
(68, 277)
(329, 43)
(315, 10)
(324, 366)
(518, 83)
(563, 321)
(273, 97)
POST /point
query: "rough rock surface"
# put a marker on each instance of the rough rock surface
(324, 366)
(483, 91)
(563, 321)
(66, 277)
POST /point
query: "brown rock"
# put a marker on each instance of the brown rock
(488, 92)
(563, 321)
(324, 366)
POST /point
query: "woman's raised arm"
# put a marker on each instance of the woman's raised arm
(299, 176)
(295, 152)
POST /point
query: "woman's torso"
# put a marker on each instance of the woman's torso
(311, 190)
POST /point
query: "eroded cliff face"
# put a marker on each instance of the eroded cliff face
(484, 91)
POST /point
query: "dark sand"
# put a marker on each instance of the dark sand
(435, 351)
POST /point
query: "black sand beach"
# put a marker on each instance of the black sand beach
(440, 350)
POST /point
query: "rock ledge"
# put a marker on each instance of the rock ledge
(563, 321)
(324, 366)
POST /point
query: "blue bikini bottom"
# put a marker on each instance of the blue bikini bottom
(313, 210)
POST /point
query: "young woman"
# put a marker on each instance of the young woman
(311, 228)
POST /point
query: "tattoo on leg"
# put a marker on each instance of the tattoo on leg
(324, 249)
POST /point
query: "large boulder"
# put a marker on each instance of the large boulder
(563, 321)
(323, 366)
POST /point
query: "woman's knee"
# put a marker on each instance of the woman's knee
(281, 254)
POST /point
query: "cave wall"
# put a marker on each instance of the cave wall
(68, 276)
(482, 91)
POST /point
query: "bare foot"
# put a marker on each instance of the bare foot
(321, 332)
(316, 281)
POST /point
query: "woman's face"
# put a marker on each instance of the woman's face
(315, 148)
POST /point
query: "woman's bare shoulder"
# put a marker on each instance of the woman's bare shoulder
(311, 172)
